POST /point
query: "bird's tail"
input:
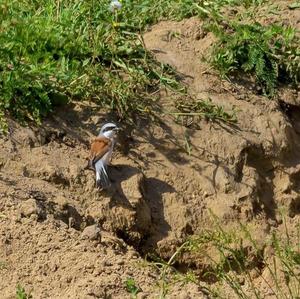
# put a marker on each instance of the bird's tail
(102, 179)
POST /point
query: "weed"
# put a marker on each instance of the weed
(3, 265)
(235, 259)
(21, 294)
(187, 143)
(164, 269)
(234, 263)
(55, 51)
(188, 277)
(294, 5)
(270, 53)
(131, 287)
(190, 111)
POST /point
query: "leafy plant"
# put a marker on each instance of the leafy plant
(53, 51)
(166, 268)
(233, 261)
(234, 258)
(21, 294)
(270, 53)
(131, 287)
(192, 110)
(3, 265)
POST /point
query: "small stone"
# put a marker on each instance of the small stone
(97, 291)
(132, 255)
(183, 295)
(29, 207)
(68, 279)
(91, 232)
(61, 201)
(142, 295)
(120, 262)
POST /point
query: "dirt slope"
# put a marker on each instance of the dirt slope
(62, 238)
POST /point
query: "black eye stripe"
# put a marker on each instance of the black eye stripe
(109, 129)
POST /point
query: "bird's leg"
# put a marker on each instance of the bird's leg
(99, 187)
(89, 166)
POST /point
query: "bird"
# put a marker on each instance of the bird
(101, 152)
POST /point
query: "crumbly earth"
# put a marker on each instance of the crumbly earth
(62, 238)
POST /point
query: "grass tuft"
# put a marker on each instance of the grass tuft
(21, 294)
(53, 51)
(56, 51)
(216, 258)
(191, 111)
(269, 53)
(131, 287)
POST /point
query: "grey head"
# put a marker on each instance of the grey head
(109, 130)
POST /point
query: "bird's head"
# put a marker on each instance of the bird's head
(109, 130)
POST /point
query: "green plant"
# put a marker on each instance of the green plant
(190, 111)
(3, 265)
(271, 53)
(165, 268)
(131, 287)
(229, 259)
(288, 258)
(53, 51)
(294, 5)
(21, 294)
(235, 256)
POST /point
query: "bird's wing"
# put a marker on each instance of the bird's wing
(99, 147)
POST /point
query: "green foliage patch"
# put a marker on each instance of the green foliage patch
(56, 51)
(270, 53)
(191, 111)
(132, 287)
(52, 51)
(232, 258)
(21, 294)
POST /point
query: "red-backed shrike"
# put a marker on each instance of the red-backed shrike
(101, 152)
